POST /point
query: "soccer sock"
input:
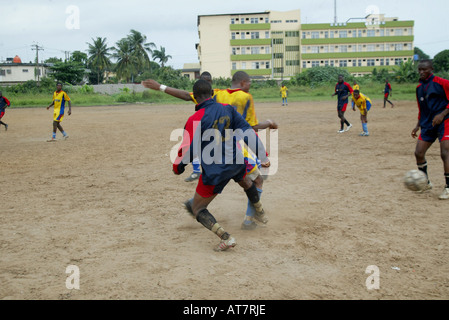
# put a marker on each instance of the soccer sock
(365, 127)
(446, 175)
(423, 167)
(196, 165)
(207, 220)
(63, 133)
(54, 135)
(251, 210)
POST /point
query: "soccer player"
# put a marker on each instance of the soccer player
(4, 103)
(186, 96)
(214, 120)
(432, 94)
(284, 94)
(363, 103)
(60, 98)
(388, 91)
(239, 97)
(343, 90)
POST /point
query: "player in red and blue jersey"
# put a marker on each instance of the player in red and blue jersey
(4, 103)
(343, 90)
(214, 131)
(432, 95)
(387, 93)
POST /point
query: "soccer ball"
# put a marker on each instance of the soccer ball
(415, 180)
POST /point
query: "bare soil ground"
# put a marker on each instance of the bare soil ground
(106, 201)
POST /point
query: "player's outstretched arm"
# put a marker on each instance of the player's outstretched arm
(177, 93)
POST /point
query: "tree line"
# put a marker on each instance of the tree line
(128, 60)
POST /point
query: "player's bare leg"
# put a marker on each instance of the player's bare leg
(444, 146)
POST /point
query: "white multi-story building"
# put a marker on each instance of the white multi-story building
(275, 45)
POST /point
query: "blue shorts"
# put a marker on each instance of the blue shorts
(440, 132)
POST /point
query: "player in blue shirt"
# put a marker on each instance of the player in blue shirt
(343, 90)
(432, 95)
(213, 133)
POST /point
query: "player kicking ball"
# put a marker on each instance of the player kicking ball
(216, 120)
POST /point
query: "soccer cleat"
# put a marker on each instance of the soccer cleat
(52, 140)
(445, 194)
(194, 176)
(428, 187)
(341, 131)
(188, 206)
(261, 217)
(226, 244)
(249, 225)
(6, 127)
(66, 137)
(364, 134)
(349, 127)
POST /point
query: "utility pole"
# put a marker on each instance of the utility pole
(335, 12)
(37, 48)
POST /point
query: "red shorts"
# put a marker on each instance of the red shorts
(207, 191)
(2, 114)
(387, 95)
(342, 107)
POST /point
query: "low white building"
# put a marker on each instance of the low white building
(14, 71)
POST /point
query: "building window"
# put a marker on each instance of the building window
(267, 65)
(398, 47)
(233, 36)
(359, 63)
(234, 66)
(254, 20)
(371, 62)
(382, 62)
(315, 49)
(315, 35)
(255, 50)
(232, 20)
(267, 34)
(343, 34)
(243, 65)
(292, 48)
(292, 63)
(234, 51)
(354, 63)
(371, 33)
(24, 70)
(292, 33)
(278, 41)
(343, 63)
(326, 34)
(343, 48)
(398, 32)
(2, 72)
(303, 35)
(397, 61)
(304, 64)
(278, 56)
(255, 35)
(315, 64)
(370, 48)
(332, 63)
(256, 65)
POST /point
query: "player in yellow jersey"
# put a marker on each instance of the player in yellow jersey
(355, 86)
(284, 94)
(60, 100)
(363, 103)
(239, 97)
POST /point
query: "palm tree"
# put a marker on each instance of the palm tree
(126, 60)
(140, 49)
(161, 56)
(99, 56)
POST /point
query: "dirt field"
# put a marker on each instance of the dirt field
(106, 201)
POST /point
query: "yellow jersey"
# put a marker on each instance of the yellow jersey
(284, 90)
(241, 100)
(59, 99)
(363, 103)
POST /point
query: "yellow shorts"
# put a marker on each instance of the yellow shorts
(58, 115)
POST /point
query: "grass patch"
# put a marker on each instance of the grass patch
(401, 92)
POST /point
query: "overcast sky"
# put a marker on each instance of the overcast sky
(173, 24)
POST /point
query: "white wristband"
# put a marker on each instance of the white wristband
(162, 88)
